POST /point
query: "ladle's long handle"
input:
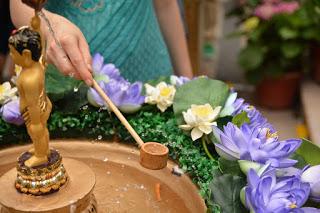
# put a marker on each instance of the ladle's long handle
(118, 113)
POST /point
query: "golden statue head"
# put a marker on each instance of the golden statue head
(25, 46)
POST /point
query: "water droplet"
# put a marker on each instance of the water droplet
(118, 202)
(99, 137)
(71, 74)
(108, 172)
(142, 187)
(75, 89)
(105, 159)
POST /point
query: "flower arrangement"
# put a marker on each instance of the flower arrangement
(226, 145)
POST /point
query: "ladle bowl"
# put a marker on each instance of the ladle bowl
(154, 155)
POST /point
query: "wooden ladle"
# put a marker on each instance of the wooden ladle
(152, 155)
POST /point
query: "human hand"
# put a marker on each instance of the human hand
(73, 56)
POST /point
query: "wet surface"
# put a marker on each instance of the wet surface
(122, 185)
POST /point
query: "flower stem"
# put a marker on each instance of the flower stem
(204, 144)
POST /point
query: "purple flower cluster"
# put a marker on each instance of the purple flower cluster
(257, 120)
(126, 96)
(269, 8)
(274, 185)
(268, 193)
(256, 144)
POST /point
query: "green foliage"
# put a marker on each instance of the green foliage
(199, 91)
(60, 89)
(301, 161)
(280, 44)
(241, 119)
(291, 49)
(288, 33)
(251, 57)
(230, 167)
(225, 191)
(309, 152)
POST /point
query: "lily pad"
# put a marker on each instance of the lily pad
(225, 191)
(198, 92)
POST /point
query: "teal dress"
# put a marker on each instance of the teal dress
(125, 32)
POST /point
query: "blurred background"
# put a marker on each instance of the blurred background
(268, 50)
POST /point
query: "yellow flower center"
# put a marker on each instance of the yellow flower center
(271, 135)
(1, 89)
(165, 91)
(202, 111)
(250, 107)
(293, 206)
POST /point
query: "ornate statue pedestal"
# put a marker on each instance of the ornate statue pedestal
(75, 196)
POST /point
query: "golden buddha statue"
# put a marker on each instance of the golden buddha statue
(40, 170)
(26, 50)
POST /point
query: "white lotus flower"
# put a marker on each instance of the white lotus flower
(200, 119)
(162, 95)
(7, 93)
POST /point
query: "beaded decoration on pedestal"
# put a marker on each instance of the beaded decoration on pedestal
(42, 179)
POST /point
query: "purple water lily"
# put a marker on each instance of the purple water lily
(178, 80)
(257, 120)
(127, 97)
(104, 72)
(256, 145)
(10, 112)
(269, 194)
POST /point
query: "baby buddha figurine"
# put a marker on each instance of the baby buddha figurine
(26, 50)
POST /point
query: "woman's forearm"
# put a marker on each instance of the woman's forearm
(172, 29)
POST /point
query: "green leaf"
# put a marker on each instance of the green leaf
(230, 167)
(240, 119)
(310, 152)
(288, 33)
(251, 57)
(291, 49)
(199, 91)
(301, 161)
(226, 193)
(222, 121)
